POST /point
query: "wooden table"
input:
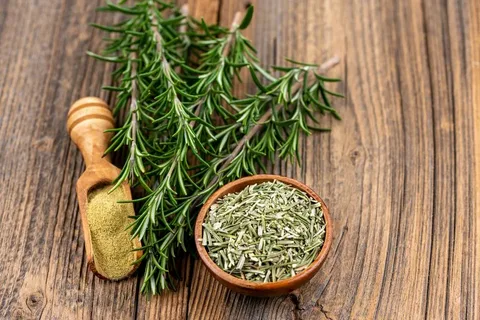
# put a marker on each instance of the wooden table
(400, 173)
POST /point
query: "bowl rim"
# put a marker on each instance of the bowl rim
(300, 277)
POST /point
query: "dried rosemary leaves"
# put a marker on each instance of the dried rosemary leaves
(264, 233)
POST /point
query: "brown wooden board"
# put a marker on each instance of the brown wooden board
(400, 173)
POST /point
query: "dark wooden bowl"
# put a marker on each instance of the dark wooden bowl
(254, 288)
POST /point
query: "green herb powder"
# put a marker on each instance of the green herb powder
(264, 233)
(108, 220)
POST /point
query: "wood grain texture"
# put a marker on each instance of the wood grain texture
(400, 173)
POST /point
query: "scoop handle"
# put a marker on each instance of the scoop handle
(88, 118)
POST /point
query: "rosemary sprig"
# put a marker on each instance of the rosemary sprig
(185, 130)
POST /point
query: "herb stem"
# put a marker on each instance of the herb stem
(167, 71)
(159, 45)
(182, 30)
(133, 112)
(184, 11)
(231, 36)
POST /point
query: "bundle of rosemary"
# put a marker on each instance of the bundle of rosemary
(185, 130)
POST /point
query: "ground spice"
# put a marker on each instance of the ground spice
(108, 221)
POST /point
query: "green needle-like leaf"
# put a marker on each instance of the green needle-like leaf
(247, 19)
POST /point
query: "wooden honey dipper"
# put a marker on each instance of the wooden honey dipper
(88, 118)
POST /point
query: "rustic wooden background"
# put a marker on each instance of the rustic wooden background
(400, 173)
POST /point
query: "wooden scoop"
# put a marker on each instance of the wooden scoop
(87, 121)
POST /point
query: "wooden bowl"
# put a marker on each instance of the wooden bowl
(255, 288)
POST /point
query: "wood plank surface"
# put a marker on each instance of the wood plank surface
(400, 173)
